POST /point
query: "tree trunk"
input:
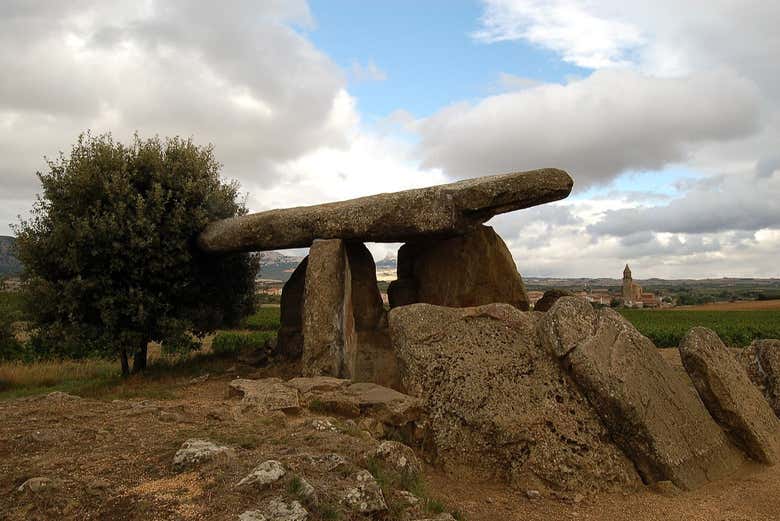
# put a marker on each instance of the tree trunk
(139, 358)
(125, 365)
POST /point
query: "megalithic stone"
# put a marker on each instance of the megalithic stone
(438, 211)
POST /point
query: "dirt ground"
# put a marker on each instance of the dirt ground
(112, 460)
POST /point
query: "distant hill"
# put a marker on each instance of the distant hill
(9, 264)
(277, 266)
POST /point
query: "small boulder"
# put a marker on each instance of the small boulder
(277, 509)
(549, 298)
(396, 456)
(268, 394)
(727, 392)
(266, 473)
(366, 496)
(194, 452)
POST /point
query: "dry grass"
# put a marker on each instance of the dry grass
(53, 372)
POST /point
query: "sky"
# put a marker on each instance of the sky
(666, 114)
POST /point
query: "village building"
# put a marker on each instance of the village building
(632, 295)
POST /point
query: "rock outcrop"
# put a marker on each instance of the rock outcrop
(499, 403)
(650, 411)
(727, 392)
(443, 210)
(549, 298)
(762, 361)
(465, 271)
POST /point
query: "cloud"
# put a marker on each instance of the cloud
(565, 26)
(367, 72)
(727, 203)
(596, 128)
(238, 75)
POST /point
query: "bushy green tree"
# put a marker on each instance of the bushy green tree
(110, 255)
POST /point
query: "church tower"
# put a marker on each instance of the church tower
(627, 285)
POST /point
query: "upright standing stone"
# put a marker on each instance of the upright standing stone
(329, 339)
(470, 270)
(648, 408)
(732, 399)
(375, 359)
(289, 340)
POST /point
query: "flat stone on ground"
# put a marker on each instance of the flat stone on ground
(268, 394)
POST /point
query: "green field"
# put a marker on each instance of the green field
(736, 328)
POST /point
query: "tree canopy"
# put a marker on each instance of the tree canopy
(109, 249)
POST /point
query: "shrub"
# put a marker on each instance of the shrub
(110, 256)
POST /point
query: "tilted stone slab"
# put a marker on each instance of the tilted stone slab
(649, 409)
(443, 210)
(732, 399)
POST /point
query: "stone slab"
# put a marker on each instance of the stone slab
(443, 210)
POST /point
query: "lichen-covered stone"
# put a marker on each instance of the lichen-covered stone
(194, 452)
(366, 496)
(443, 210)
(265, 473)
(397, 456)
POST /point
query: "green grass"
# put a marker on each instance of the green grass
(265, 319)
(666, 328)
(231, 342)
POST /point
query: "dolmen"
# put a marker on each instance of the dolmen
(332, 314)
(566, 399)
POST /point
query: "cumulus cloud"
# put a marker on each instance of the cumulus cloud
(238, 75)
(596, 128)
(565, 26)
